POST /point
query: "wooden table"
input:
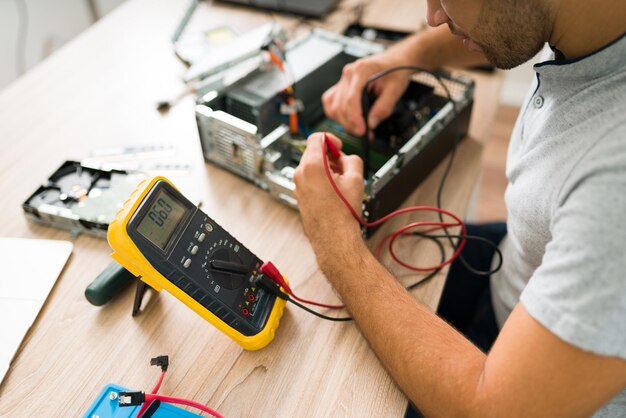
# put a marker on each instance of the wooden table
(100, 91)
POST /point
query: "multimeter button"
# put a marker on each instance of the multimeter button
(194, 250)
(201, 237)
(187, 263)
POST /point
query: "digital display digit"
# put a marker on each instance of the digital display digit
(163, 217)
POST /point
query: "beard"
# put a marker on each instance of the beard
(505, 59)
(512, 32)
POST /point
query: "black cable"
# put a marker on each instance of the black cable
(365, 102)
(476, 238)
(457, 138)
(319, 315)
(448, 236)
(330, 318)
(467, 237)
(20, 46)
(269, 284)
(444, 177)
(434, 272)
(423, 279)
(435, 237)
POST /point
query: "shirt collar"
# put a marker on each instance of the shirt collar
(609, 59)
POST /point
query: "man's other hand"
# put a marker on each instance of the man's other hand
(323, 214)
(342, 102)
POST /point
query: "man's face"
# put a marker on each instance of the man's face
(508, 32)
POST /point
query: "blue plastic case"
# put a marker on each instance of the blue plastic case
(106, 406)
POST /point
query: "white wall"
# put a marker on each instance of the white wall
(50, 25)
(53, 23)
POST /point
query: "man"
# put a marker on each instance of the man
(560, 299)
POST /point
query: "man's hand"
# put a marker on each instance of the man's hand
(342, 101)
(430, 49)
(324, 215)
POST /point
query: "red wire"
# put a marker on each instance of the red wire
(293, 115)
(414, 225)
(395, 234)
(158, 385)
(150, 397)
(271, 271)
(143, 408)
(154, 391)
(277, 61)
(439, 225)
(311, 302)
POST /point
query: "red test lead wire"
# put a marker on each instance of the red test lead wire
(270, 270)
(328, 147)
(332, 148)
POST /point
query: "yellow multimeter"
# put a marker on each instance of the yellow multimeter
(160, 236)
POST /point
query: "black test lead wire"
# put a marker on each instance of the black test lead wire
(457, 138)
(365, 101)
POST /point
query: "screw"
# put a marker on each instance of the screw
(113, 396)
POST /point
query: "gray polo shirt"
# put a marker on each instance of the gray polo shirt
(565, 251)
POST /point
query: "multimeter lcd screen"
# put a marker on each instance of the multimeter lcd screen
(164, 215)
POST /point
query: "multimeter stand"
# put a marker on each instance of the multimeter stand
(140, 291)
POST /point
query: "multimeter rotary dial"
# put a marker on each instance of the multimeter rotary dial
(224, 267)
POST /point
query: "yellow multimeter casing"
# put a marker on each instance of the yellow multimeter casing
(169, 243)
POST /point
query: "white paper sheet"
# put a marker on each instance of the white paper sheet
(30, 269)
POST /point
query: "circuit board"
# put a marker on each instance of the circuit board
(415, 108)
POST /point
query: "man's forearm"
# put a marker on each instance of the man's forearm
(436, 48)
(432, 363)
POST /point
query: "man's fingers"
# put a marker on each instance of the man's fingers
(314, 148)
(352, 165)
(328, 101)
(383, 106)
(336, 141)
(352, 110)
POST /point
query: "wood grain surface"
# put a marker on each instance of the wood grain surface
(99, 91)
